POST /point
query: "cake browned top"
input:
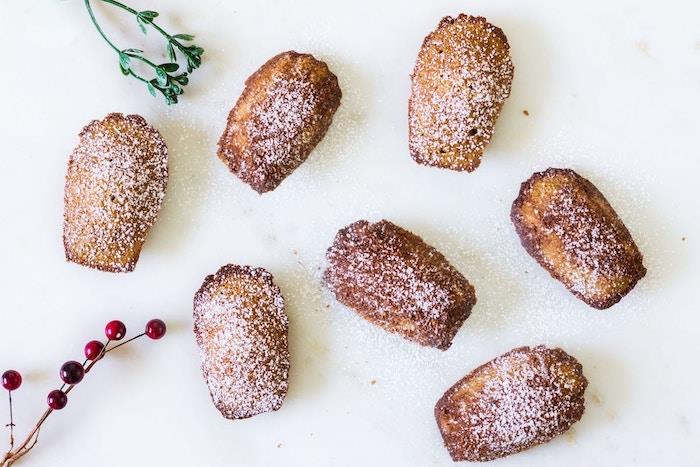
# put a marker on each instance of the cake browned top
(241, 329)
(461, 79)
(520, 399)
(569, 227)
(285, 110)
(394, 279)
(115, 185)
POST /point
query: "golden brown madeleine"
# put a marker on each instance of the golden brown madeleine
(569, 227)
(393, 279)
(241, 329)
(115, 186)
(521, 399)
(284, 112)
(461, 79)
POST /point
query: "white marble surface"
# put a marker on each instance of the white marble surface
(613, 91)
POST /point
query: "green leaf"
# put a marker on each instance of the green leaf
(125, 71)
(170, 99)
(151, 89)
(196, 50)
(148, 14)
(171, 52)
(141, 24)
(132, 51)
(194, 56)
(124, 60)
(182, 79)
(184, 37)
(169, 67)
(161, 77)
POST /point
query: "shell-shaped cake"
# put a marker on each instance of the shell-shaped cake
(285, 110)
(521, 399)
(115, 186)
(395, 280)
(461, 79)
(569, 227)
(242, 333)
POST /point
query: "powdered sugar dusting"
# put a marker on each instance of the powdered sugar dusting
(523, 398)
(241, 330)
(462, 77)
(115, 186)
(276, 126)
(395, 280)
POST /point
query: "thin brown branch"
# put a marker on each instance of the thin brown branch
(30, 441)
(16, 453)
(12, 423)
(125, 342)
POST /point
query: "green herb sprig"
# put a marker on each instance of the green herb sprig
(166, 80)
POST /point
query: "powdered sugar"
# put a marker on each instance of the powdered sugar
(241, 330)
(277, 127)
(589, 242)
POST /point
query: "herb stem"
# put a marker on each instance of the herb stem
(135, 13)
(167, 80)
(122, 6)
(97, 26)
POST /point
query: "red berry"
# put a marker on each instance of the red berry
(11, 380)
(155, 329)
(72, 372)
(57, 399)
(93, 349)
(115, 330)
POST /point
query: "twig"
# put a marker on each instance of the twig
(155, 329)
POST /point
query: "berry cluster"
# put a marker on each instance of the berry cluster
(71, 373)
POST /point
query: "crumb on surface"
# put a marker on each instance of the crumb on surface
(643, 46)
(526, 113)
